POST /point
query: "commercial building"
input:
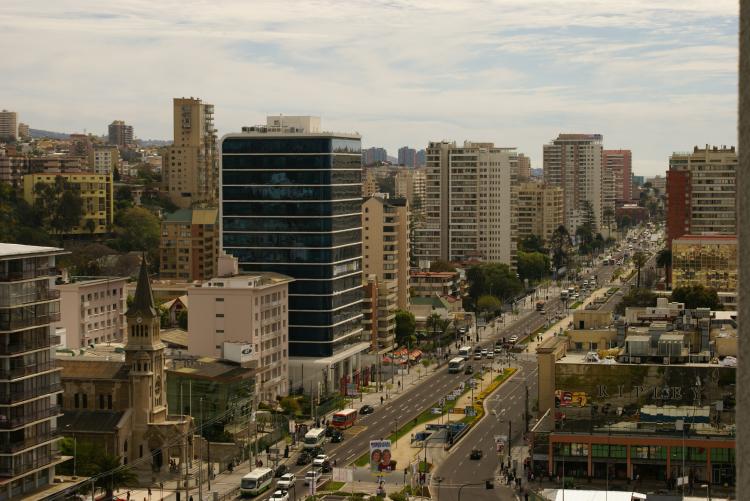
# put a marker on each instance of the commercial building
(469, 203)
(708, 260)
(374, 155)
(653, 402)
(189, 244)
(574, 163)
(702, 192)
(8, 125)
(190, 167)
(620, 165)
(291, 203)
(244, 318)
(539, 210)
(119, 403)
(104, 159)
(30, 379)
(435, 283)
(379, 309)
(120, 134)
(92, 310)
(385, 231)
(96, 191)
(407, 156)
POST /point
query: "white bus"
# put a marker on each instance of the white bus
(456, 365)
(314, 438)
(256, 481)
(465, 352)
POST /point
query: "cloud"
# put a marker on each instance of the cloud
(651, 76)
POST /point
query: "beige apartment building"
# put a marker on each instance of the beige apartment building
(574, 163)
(385, 235)
(120, 134)
(246, 314)
(539, 210)
(191, 164)
(379, 314)
(369, 183)
(8, 125)
(470, 196)
(707, 260)
(524, 167)
(92, 311)
(24, 131)
(104, 159)
(189, 245)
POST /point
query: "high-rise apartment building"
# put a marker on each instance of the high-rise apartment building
(374, 155)
(421, 158)
(410, 184)
(30, 386)
(407, 156)
(8, 125)
(120, 134)
(291, 203)
(468, 204)
(379, 309)
(539, 210)
(524, 167)
(190, 167)
(96, 191)
(92, 311)
(620, 165)
(24, 132)
(574, 163)
(658, 183)
(702, 192)
(385, 232)
(189, 245)
(370, 184)
(104, 159)
(245, 313)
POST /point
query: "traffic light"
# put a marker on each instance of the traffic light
(488, 484)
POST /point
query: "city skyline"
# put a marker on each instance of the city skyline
(650, 79)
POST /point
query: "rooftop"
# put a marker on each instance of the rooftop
(93, 369)
(13, 251)
(254, 280)
(214, 368)
(89, 421)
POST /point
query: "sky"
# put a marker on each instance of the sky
(651, 76)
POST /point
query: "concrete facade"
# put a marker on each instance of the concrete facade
(104, 159)
(189, 245)
(8, 125)
(120, 134)
(539, 210)
(620, 164)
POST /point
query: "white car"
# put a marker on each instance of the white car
(286, 481)
(513, 339)
(490, 354)
(312, 476)
(279, 496)
(319, 460)
(484, 353)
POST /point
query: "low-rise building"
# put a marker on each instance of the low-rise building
(189, 245)
(92, 310)
(431, 283)
(104, 159)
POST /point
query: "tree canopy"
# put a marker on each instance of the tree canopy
(636, 297)
(138, 230)
(532, 243)
(495, 279)
(533, 266)
(406, 325)
(560, 246)
(441, 265)
(697, 296)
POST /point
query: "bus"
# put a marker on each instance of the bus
(456, 365)
(256, 481)
(540, 306)
(344, 419)
(314, 438)
(465, 352)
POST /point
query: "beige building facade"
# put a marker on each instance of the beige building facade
(104, 159)
(539, 210)
(190, 167)
(379, 314)
(8, 125)
(92, 311)
(189, 245)
(385, 234)
(249, 313)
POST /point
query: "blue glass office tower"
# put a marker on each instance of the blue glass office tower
(291, 202)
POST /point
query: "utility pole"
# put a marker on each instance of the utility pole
(200, 455)
(526, 409)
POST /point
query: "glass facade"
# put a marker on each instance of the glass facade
(293, 205)
(709, 262)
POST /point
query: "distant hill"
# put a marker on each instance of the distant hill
(38, 133)
(153, 142)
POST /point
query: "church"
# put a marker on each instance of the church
(122, 405)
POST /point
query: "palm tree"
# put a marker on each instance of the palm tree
(664, 260)
(639, 259)
(608, 217)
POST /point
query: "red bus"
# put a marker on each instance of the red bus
(344, 419)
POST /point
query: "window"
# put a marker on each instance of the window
(76, 399)
(85, 401)
(109, 404)
(219, 315)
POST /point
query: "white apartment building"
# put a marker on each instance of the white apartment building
(249, 310)
(104, 159)
(574, 163)
(468, 204)
(92, 310)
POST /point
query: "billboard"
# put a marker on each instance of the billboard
(380, 456)
(238, 352)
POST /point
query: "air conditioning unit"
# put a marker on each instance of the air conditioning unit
(666, 360)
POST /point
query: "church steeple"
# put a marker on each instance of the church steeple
(143, 301)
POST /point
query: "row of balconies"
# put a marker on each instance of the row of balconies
(22, 323)
(27, 417)
(19, 445)
(19, 396)
(13, 276)
(16, 372)
(26, 466)
(31, 297)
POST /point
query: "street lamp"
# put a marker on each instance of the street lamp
(75, 452)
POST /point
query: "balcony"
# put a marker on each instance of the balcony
(22, 323)
(20, 396)
(28, 370)
(29, 345)
(20, 445)
(15, 276)
(14, 422)
(21, 468)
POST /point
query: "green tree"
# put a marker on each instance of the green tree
(406, 325)
(533, 266)
(489, 304)
(139, 230)
(636, 298)
(697, 296)
(182, 319)
(93, 461)
(639, 259)
(58, 206)
(437, 326)
(441, 265)
(608, 218)
(291, 406)
(495, 279)
(560, 246)
(532, 243)
(664, 261)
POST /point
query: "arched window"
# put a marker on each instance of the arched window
(125, 446)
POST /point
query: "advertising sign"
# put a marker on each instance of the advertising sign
(380, 456)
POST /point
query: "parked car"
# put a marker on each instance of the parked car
(475, 454)
(286, 481)
(366, 409)
(280, 470)
(490, 354)
(279, 496)
(513, 339)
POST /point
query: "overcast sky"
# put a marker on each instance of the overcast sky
(654, 76)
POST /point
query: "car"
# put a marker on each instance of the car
(469, 370)
(319, 460)
(478, 355)
(366, 409)
(286, 481)
(513, 339)
(490, 354)
(279, 496)
(326, 467)
(303, 458)
(484, 353)
(337, 437)
(498, 348)
(329, 431)
(312, 476)
(475, 454)
(280, 470)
